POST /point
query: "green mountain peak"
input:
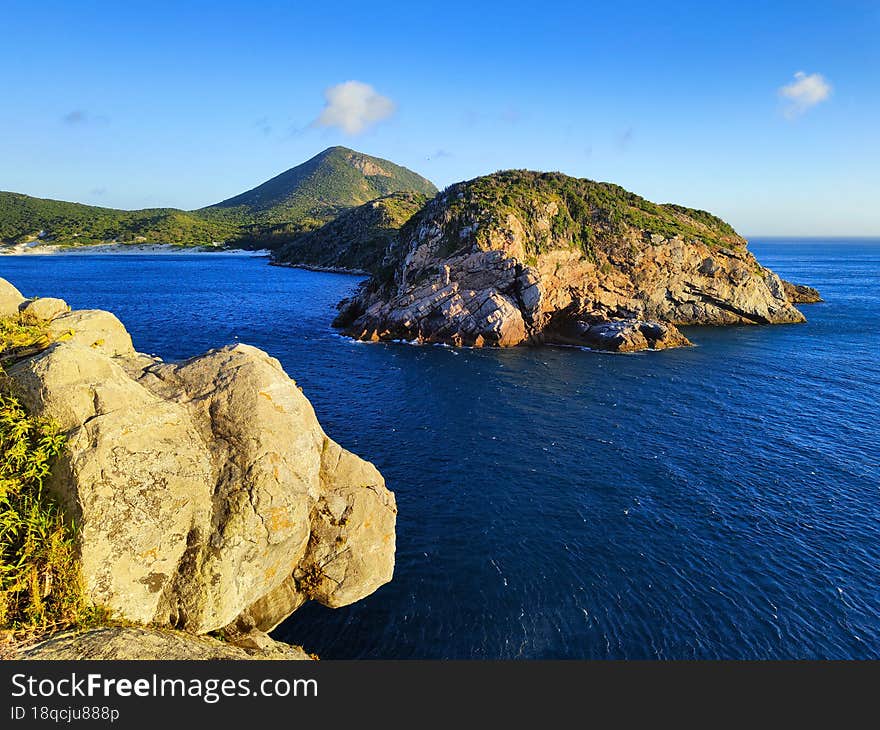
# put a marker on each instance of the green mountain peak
(299, 199)
(318, 189)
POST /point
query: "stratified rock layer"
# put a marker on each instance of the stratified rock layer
(205, 493)
(518, 257)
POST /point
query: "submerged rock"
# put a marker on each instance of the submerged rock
(205, 493)
(628, 335)
(517, 257)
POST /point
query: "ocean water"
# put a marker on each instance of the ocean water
(721, 501)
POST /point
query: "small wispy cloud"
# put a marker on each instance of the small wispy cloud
(264, 125)
(439, 154)
(81, 117)
(511, 115)
(77, 116)
(98, 191)
(354, 107)
(624, 139)
(804, 92)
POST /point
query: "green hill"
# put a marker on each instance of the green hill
(23, 218)
(357, 238)
(317, 190)
(297, 200)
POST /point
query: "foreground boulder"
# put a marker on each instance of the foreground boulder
(10, 299)
(205, 493)
(520, 257)
(148, 643)
(47, 308)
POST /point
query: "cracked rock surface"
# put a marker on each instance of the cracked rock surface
(206, 493)
(147, 643)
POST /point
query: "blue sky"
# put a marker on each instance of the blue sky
(183, 104)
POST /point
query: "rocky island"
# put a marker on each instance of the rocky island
(521, 257)
(199, 497)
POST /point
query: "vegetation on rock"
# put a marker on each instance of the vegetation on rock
(40, 585)
(558, 211)
(21, 335)
(357, 239)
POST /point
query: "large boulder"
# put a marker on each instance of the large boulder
(135, 476)
(46, 308)
(205, 493)
(93, 328)
(10, 299)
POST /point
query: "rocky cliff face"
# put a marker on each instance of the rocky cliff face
(527, 258)
(205, 493)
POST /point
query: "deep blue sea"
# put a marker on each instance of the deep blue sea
(717, 501)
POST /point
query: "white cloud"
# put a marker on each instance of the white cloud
(804, 92)
(354, 106)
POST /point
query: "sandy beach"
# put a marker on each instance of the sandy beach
(34, 248)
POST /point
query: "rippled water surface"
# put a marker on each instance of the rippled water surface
(718, 501)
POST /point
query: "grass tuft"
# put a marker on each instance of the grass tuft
(21, 336)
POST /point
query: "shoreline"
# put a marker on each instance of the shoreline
(321, 269)
(129, 249)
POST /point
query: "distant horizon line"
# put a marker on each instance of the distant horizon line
(747, 236)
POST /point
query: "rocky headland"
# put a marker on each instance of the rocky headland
(205, 495)
(522, 257)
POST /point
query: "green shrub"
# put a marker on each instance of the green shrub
(40, 583)
(21, 336)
